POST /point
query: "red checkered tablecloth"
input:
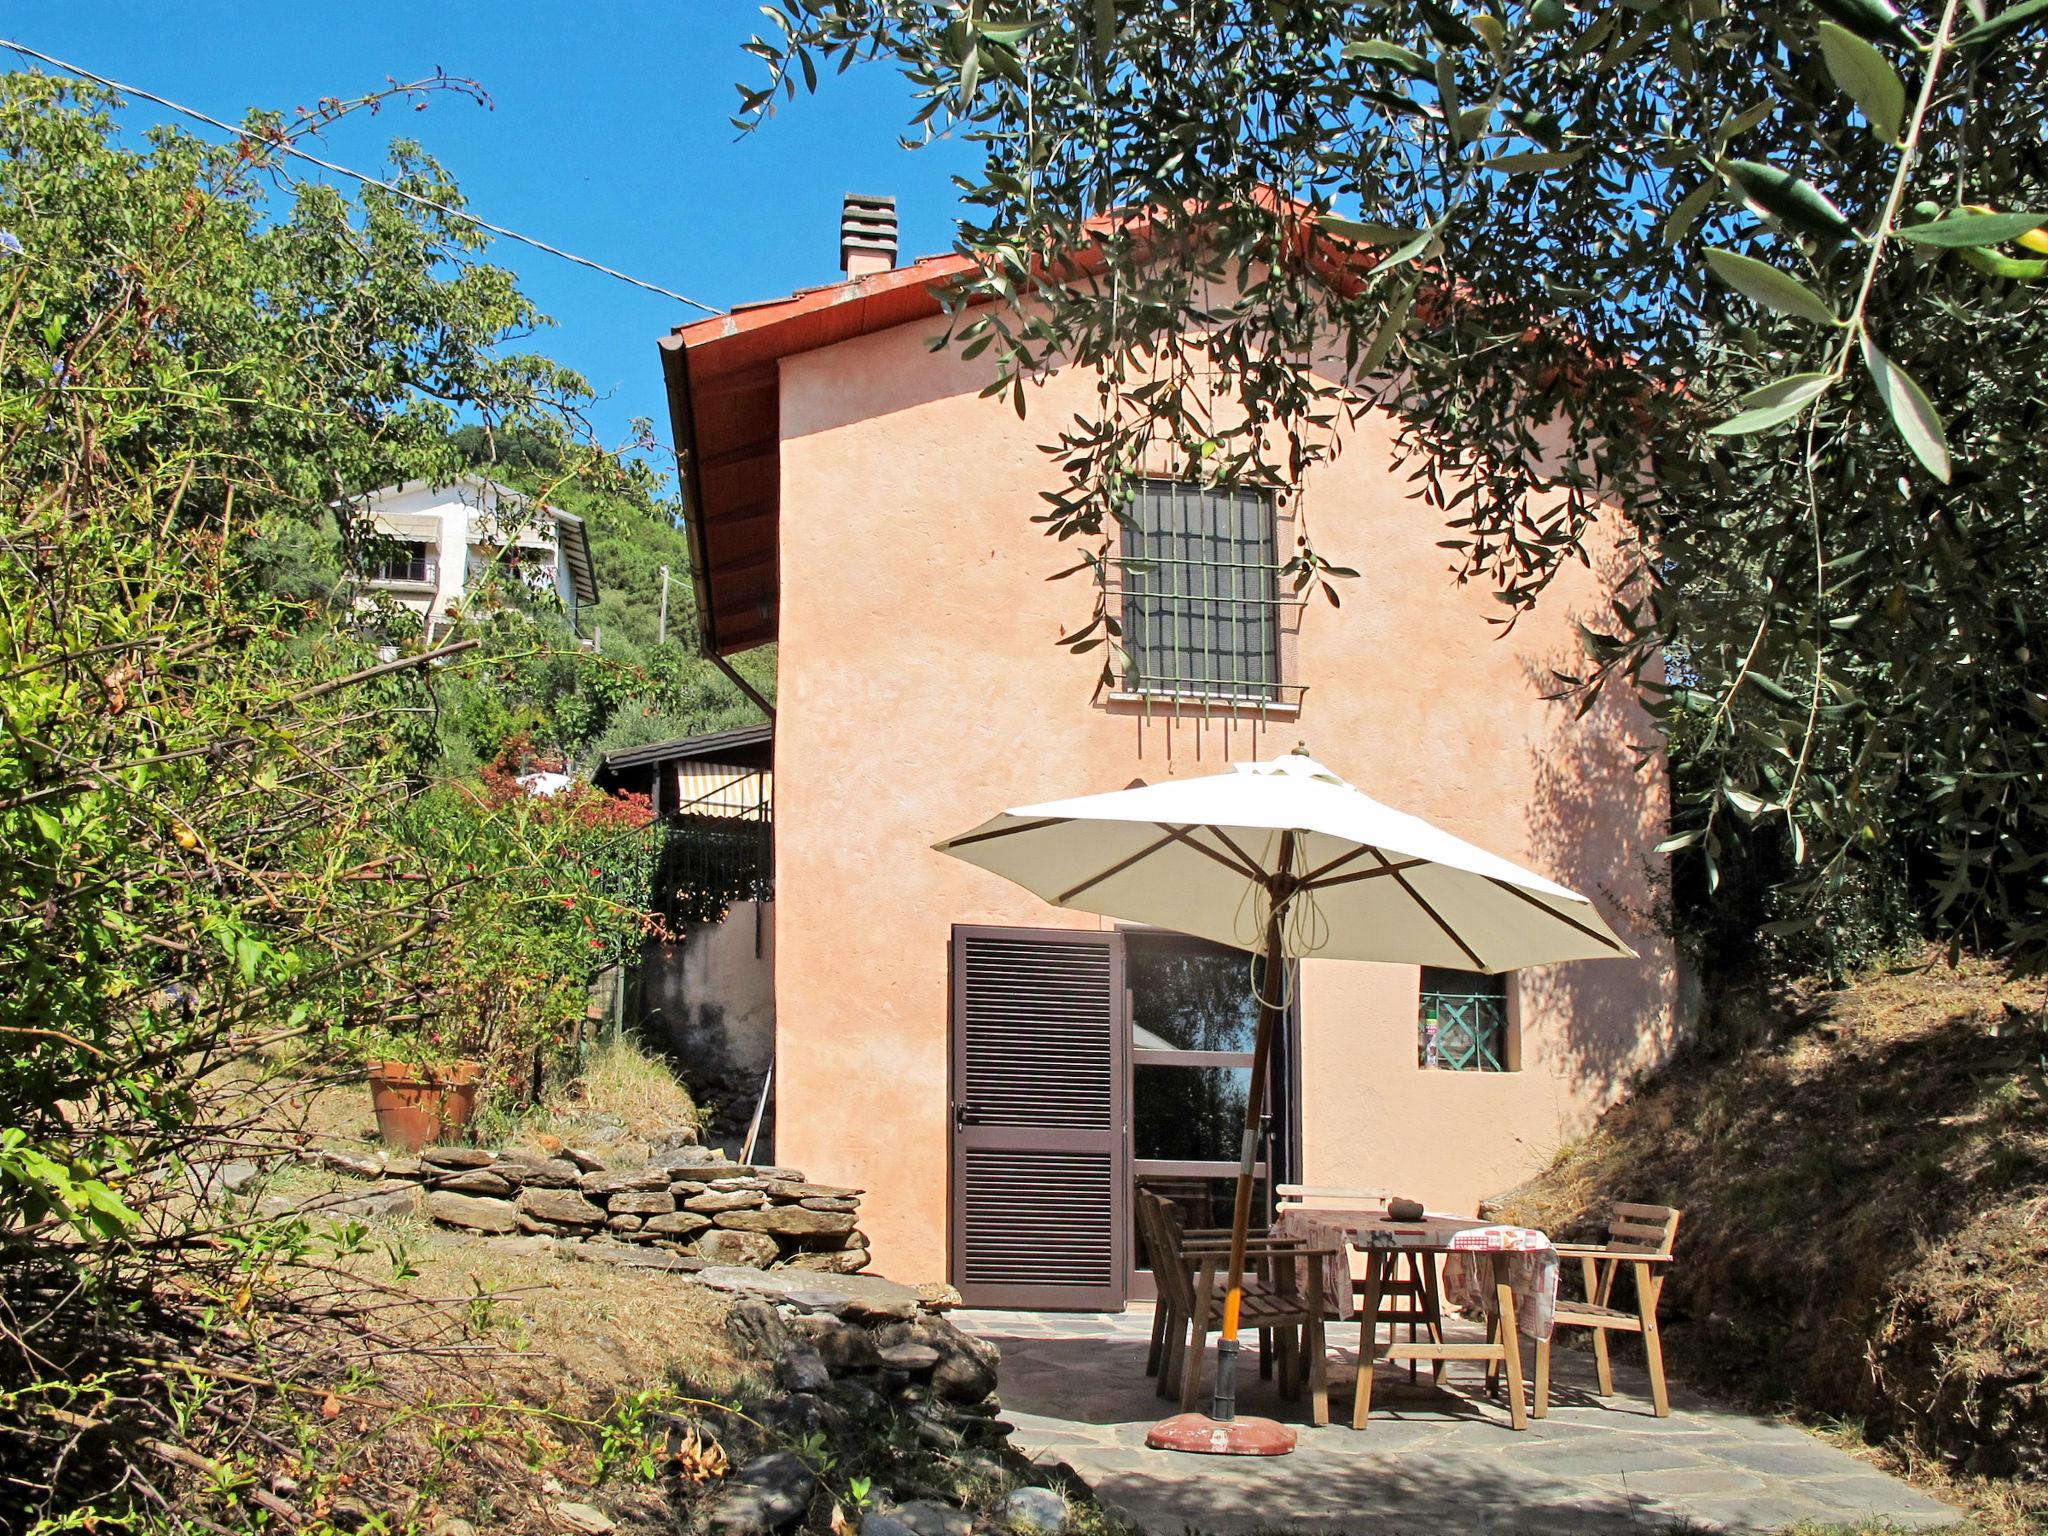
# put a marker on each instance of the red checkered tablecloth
(1468, 1272)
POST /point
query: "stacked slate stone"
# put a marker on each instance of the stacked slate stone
(850, 1366)
(690, 1201)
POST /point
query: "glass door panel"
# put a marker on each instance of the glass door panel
(1194, 1020)
(1182, 1114)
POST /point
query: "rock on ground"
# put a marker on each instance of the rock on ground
(472, 1212)
(843, 1261)
(560, 1208)
(749, 1248)
(802, 1369)
(678, 1224)
(771, 1492)
(1036, 1509)
(786, 1221)
(857, 1298)
(926, 1517)
(718, 1201)
(360, 1165)
(477, 1181)
(642, 1202)
(456, 1157)
(387, 1197)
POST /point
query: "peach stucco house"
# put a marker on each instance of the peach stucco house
(853, 499)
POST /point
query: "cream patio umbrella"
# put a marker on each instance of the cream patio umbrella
(1287, 860)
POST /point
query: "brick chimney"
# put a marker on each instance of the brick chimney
(867, 235)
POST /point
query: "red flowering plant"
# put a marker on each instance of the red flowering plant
(541, 891)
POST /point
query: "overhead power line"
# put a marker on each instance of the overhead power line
(369, 181)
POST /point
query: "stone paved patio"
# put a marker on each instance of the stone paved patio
(1431, 1461)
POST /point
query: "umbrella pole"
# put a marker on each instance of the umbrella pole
(1224, 1407)
(1220, 1432)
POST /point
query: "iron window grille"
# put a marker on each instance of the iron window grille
(1463, 1022)
(1199, 579)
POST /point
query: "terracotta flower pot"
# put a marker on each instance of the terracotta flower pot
(418, 1106)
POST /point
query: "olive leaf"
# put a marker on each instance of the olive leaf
(1764, 283)
(1866, 78)
(1993, 264)
(1912, 413)
(1793, 201)
(1686, 214)
(1547, 160)
(1008, 33)
(1778, 401)
(2012, 19)
(1390, 328)
(1369, 232)
(1966, 229)
(1876, 20)
(1406, 60)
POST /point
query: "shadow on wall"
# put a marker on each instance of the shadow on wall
(1597, 810)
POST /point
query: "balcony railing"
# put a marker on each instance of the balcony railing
(411, 573)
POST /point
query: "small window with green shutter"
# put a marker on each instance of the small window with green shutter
(1463, 1025)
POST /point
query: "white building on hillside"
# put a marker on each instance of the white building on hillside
(439, 542)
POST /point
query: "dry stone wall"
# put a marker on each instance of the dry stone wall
(690, 1201)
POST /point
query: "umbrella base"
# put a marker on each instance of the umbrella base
(1201, 1435)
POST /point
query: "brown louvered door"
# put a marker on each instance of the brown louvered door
(1040, 1154)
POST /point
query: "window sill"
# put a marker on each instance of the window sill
(1210, 703)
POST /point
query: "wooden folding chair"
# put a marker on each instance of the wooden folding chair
(1283, 1301)
(1163, 1236)
(1639, 1236)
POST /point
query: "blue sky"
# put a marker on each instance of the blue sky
(610, 136)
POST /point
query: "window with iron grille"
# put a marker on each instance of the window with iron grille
(1200, 593)
(1463, 1026)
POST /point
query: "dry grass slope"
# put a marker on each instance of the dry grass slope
(1864, 1175)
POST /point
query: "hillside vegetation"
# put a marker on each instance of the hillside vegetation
(1863, 1173)
(635, 686)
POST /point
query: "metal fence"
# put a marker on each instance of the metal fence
(708, 862)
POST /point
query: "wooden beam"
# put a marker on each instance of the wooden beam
(1248, 869)
(1434, 916)
(1362, 874)
(1115, 869)
(745, 453)
(1022, 826)
(745, 687)
(1569, 922)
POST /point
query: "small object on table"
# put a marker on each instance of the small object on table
(1404, 1210)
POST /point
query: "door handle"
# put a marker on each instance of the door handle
(966, 1114)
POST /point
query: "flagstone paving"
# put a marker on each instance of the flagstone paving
(1431, 1461)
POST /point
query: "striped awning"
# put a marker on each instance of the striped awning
(714, 789)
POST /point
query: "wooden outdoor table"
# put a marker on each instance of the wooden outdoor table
(1494, 1249)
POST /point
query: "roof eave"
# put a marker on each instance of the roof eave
(573, 539)
(675, 370)
(708, 746)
